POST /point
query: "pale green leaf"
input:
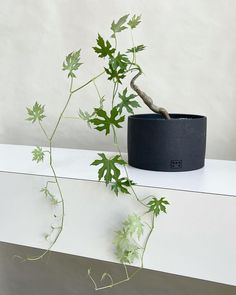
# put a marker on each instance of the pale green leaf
(136, 49)
(38, 154)
(72, 63)
(133, 224)
(85, 116)
(134, 21)
(36, 113)
(119, 26)
(127, 249)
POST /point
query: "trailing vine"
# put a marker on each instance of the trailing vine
(36, 114)
(131, 240)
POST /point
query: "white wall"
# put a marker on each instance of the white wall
(189, 64)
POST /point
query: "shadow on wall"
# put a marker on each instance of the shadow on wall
(61, 274)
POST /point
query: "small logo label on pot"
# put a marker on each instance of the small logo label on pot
(176, 164)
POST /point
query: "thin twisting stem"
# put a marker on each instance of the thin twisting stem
(147, 99)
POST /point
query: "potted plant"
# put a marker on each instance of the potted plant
(163, 141)
(156, 141)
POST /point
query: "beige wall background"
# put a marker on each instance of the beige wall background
(189, 64)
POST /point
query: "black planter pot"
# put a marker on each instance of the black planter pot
(174, 145)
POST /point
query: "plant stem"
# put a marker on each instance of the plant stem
(74, 118)
(44, 131)
(114, 92)
(63, 111)
(133, 46)
(147, 239)
(125, 168)
(101, 99)
(147, 99)
(90, 81)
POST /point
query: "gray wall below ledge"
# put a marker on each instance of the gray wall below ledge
(61, 274)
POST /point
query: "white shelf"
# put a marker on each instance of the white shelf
(217, 177)
(195, 239)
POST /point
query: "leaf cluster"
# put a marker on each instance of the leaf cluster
(121, 185)
(127, 249)
(122, 23)
(117, 67)
(117, 62)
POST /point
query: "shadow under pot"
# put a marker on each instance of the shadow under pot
(157, 144)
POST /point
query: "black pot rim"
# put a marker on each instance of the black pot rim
(154, 117)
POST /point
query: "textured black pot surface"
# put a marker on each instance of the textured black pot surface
(155, 143)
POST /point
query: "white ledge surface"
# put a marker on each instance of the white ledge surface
(217, 177)
(195, 239)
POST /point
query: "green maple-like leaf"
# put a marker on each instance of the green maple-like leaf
(109, 170)
(157, 206)
(38, 154)
(136, 49)
(127, 102)
(117, 74)
(119, 26)
(117, 67)
(104, 48)
(121, 185)
(72, 63)
(104, 122)
(134, 21)
(120, 61)
(36, 113)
